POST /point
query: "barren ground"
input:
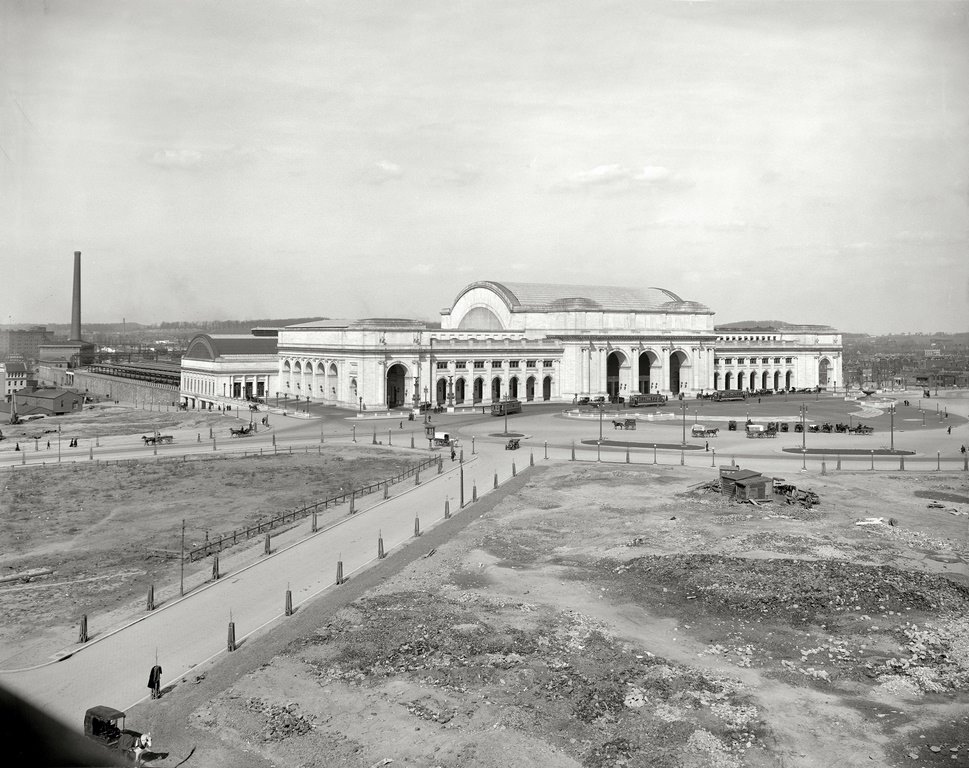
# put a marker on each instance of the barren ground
(621, 617)
(582, 615)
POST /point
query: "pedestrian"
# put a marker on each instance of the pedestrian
(401, 424)
(963, 449)
(18, 447)
(154, 681)
(707, 446)
(949, 430)
(453, 454)
(198, 438)
(48, 445)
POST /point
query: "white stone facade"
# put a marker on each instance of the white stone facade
(533, 342)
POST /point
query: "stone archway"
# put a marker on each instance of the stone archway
(752, 381)
(716, 380)
(530, 389)
(477, 390)
(396, 375)
(824, 371)
(513, 387)
(496, 388)
(727, 380)
(459, 391)
(648, 361)
(679, 372)
(777, 380)
(617, 368)
(740, 380)
(441, 391)
(789, 379)
(763, 380)
(547, 388)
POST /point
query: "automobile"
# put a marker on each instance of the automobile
(583, 401)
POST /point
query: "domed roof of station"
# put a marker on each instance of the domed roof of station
(558, 297)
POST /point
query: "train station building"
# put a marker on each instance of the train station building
(530, 341)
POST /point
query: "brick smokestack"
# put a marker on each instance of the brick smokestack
(76, 304)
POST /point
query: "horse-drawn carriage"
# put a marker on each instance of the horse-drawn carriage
(861, 429)
(241, 431)
(513, 444)
(698, 430)
(157, 439)
(760, 431)
(105, 725)
(624, 423)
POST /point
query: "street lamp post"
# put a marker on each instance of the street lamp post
(684, 409)
(277, 399)
(891, 412)
(803, 429)
(58, 443)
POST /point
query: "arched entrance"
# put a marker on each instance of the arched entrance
(617, 364)
(496, 388)
(547, 388)
(727, 380)
(297, 378)
(530, 388)
(441, 391)
(777, 380)
(478, 390)
(353, 391)
(513, 387)
(753, 381)
(716, 380)
(459, 391)
(763, 380)
(789, 379)
(332, 378)
(740, 380)
(679, 370)
(395, 385)
(647, 361)
(824, 371)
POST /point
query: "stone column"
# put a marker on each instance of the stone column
(633, 371)
(666, 370)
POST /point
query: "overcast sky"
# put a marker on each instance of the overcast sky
(806, 162)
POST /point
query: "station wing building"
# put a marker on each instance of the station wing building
(498, 340)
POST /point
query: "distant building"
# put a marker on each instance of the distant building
(24, 344)
(13, 378)
(48, 401)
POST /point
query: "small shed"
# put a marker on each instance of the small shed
(729, 477)
(757, 488)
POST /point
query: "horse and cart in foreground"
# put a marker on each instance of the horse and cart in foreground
(241, 431)
(105, 725)
(624, 423)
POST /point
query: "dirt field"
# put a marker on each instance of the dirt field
(604, 617)
(107, 532)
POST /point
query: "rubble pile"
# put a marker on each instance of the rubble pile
(795, 590)
(280, 721)
(548, 667)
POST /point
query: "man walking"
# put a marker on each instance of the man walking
(154, 681)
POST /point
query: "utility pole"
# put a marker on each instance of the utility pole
(181, 583)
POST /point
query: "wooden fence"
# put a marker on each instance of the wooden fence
(227, 540)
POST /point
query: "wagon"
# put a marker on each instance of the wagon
(240, 432)
(698, 430)
(624, 423)
(157, 439)
(513, 444)
(105, 725)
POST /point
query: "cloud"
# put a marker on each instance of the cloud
(383, 171)
(622, 177)
(927, 237)
(462, 175)
(176, 158)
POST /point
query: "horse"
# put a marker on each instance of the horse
(618, 424)
(134, 744)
